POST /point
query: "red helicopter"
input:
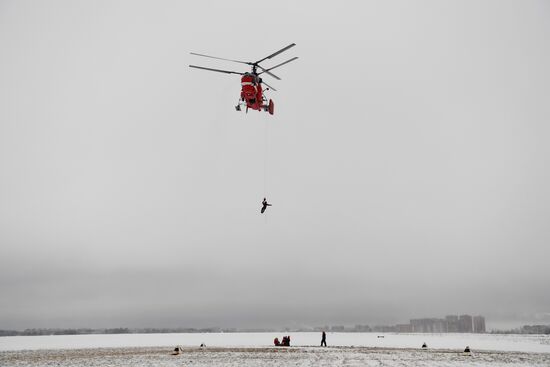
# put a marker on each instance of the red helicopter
(252, 94)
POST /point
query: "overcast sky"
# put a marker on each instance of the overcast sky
(406, 163)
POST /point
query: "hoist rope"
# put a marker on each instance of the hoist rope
(266, 141)
(265, 156)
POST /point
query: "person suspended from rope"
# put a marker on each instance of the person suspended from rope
(264, 205)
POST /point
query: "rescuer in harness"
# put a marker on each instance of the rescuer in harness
(264, 205)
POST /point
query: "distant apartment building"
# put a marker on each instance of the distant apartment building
(417, 326)
(362, 328)
(479, 324)
(430, 325)
(403, 328)
(452, 323)
(465, 324)
(384, 328)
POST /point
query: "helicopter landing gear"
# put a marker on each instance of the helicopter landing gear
(269, 107)
(239, 103)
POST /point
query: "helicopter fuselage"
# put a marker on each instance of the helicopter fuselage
(252, 92)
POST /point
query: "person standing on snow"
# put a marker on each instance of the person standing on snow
(324, 339)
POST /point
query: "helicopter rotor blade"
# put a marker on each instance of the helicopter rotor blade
(276, 53)
(221, 58)
(268, 73)
(276, 66)
(269, 86)
(217, 70)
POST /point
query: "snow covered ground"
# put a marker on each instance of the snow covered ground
(267, 356)
(254, 349)
(518, 343)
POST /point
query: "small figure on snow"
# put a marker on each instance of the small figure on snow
(324, 339)
(264, 205)
(286, 341)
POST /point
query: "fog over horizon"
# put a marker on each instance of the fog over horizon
(407, 164)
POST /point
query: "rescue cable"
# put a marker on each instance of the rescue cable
(265, 156)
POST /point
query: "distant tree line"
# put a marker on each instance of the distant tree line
(526, 329)
(120, 330)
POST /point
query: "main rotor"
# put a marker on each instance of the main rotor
(255, 65)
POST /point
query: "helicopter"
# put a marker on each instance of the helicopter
(252, 93)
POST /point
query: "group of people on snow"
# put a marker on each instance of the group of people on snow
(285, 342)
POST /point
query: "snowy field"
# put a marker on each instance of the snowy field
(254, 349)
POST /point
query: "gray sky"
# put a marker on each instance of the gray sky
(406, 163)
